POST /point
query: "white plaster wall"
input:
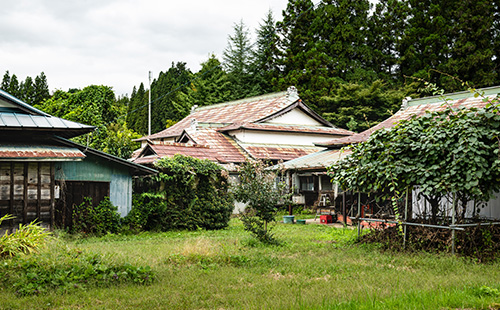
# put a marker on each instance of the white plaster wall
(295, 117)
(254, 136)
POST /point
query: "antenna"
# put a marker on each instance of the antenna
(149, 106)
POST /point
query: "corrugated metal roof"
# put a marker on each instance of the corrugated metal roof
(224, 148)
(18, 115)
(318, 160)
(137, 169)
(172, 149)
(38, 152)
(240, 111)
(23, 106)
(278, 152)
(289, 128)
(407, 113)
(18, 120)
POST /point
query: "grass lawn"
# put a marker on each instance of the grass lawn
(316, 267)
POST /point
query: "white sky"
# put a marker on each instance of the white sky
(116, 42)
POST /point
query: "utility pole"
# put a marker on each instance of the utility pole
(149, 106)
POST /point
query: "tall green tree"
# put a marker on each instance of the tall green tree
(169, 96)
(5, 81)
(211, 84)
(41, 89)
(297, 40)
(386, 26)
(27, 91)
(14, 87)
(358, 107)
(264, 66)
(473, 45)
(236, 61)
(342, 27)
(137, 113)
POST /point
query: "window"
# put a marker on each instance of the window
(306, 183)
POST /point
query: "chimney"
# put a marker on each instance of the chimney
(194, 124)
(404, 104)
(292, 93)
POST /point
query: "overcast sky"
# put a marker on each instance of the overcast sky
(116, 42)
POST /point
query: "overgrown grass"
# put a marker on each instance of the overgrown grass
(315, 267)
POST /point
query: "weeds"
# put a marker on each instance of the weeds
(63, 269)
(26, 239)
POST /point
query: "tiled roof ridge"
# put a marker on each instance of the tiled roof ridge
(179, 144)
(240, 101)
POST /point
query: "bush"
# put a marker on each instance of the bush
(26, 239)
(97, 220)
(188, 193)
(259, 189)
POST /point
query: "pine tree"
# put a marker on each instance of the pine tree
(27, 90)
(426, 45)
(342, 28)
(6, 81)
(473, 50)
(264, 67)
(41, 89)
(169, 99)
(14, 88)
(236, 61)
(386, 26)
(137, 113)
(211, 84)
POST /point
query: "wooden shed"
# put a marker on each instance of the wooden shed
(37, 162)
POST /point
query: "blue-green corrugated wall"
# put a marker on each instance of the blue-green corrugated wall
(97, 169)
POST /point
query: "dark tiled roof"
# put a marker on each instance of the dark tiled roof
(407, 113)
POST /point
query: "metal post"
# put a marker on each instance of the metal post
(453, 223)
(149, 106)
(406, 218)
(344, 213)
(359, 214)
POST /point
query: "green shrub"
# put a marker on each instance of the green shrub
(97, 220)
(188, 193)
(26, 239)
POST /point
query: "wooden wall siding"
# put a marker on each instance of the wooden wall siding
(74, 193)
(27, 191)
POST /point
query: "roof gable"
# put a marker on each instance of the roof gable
(418, 107)
(224, 114)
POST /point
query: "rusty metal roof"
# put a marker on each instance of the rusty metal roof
(318, 160)
(414, 108)
(226, 150)
(153, 152)
(288, 128)
(278, 152)
(38, 152)
(240, 111)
